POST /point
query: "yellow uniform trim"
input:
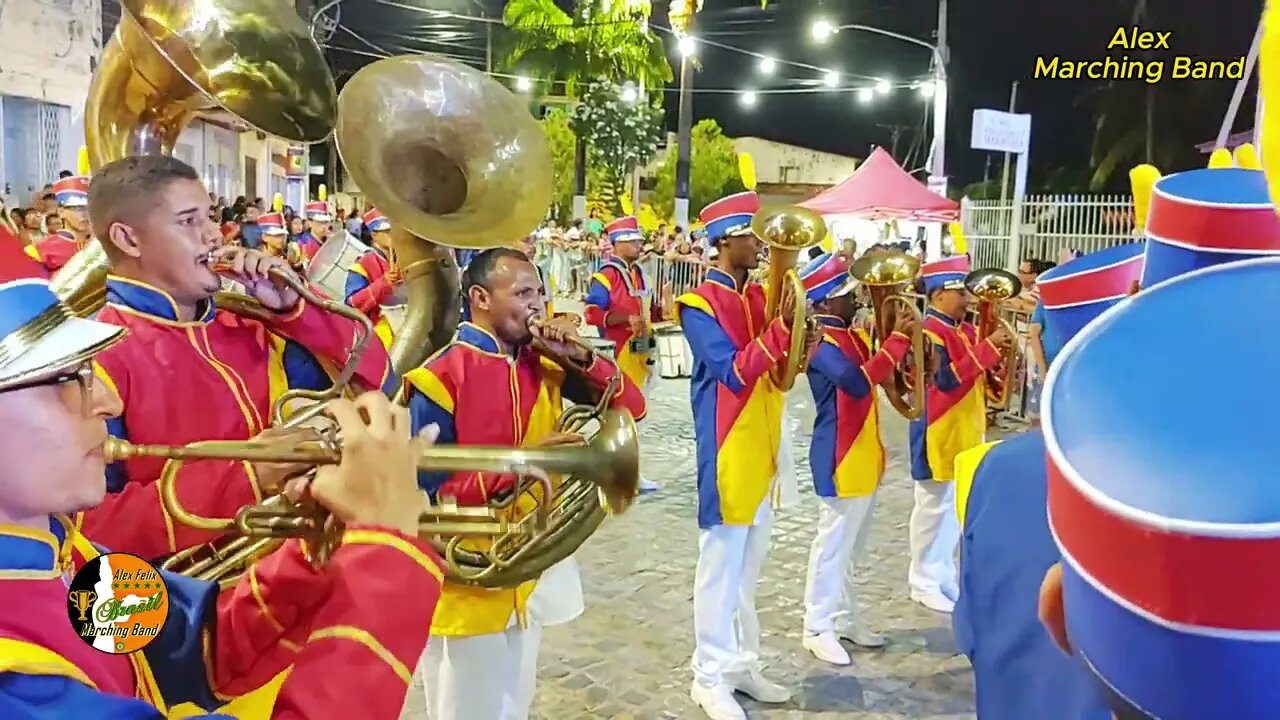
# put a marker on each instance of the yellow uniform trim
(696, 302)
(600, 278)
(375, 537)
(428, 383)
(33, 253)
(256, 589)
(105, 377)
(347, 632)
(359, 270)
(967, 464)
(18, 656)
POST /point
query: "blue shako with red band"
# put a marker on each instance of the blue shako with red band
(1205, 217)
(1167, 513)
(1075, 292)
(624, 229)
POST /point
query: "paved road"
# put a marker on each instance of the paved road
(628, 656)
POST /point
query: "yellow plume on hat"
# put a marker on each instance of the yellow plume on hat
(959, 245)
(1247, 157)
(277, 202)
(747, 170)
(1221, 158)
(1143, 181)
(82, 161)
(323, 193)
(1269, 96)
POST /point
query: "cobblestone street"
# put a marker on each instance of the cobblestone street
(628, 655)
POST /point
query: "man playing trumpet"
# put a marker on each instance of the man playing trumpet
(501, 381)
(189, 370)
(213, 646)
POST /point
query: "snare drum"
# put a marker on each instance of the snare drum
(671, 355)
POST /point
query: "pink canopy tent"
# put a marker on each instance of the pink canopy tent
(881, 190)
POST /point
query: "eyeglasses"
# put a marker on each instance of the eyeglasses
(82, 374)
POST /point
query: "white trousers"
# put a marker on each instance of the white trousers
(482, 677)
(830, 590)
(934, 533)
(726, 627)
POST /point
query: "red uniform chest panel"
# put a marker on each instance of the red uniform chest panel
(740, 315)
(959, 341)
(374, 265)
(620, 297)
(56, 250)
(493, 398)
(187, 382)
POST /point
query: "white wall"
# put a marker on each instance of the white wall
(812, 167)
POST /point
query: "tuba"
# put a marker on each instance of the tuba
(169, 60)
(993, 286)
(886, 274)
(454, 160)
(787, 230)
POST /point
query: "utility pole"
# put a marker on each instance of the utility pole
(684, 129)
(937, 166)
(1004, 172)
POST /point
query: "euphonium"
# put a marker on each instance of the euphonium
(886, 273)
(992, 286)
(453, 159)
(250, 60)
(787, 230)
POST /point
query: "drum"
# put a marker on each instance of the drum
(607, 348)
(671, 352)
(333, 261)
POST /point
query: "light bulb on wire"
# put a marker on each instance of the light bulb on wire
(866, 95)
(884, 87)
(687, 45)
(927, 89)
(768, 65)
(523, 84)
(831, 78)
(748, 98)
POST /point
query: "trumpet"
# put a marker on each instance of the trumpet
(787, 230)
(993, 286)
(885, 274)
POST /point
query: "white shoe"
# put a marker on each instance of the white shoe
(648, 486)
(935, 601)
(717, 702)
(826, 647)
(754, 684)
(861, 636)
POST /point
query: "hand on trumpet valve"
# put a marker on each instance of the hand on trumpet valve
(274, 477)
(252, 268)
(1000, 337)
(558, 337)
(905, 323)
(376, 483)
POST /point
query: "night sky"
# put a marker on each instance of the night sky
(993, 43)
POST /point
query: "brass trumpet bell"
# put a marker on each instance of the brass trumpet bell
(992, 284)
(885, 268)
(887, 273)
(788, 229)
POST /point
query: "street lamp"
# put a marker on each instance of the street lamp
(748, 98)
(823, 29)
(927, 89)
(523, 84)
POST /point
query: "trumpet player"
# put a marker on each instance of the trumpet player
(318, 228)
(622, 305)
(72, 194)
(501, 381)
(737, 424)
(954, 420)
(214, 645)
(374, 277)
(189, 370)
(276, 243)
(846, 454)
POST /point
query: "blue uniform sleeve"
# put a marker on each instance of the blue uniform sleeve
(422, 412)
(840, 370)
(711, 346)
(598, 294)
(302, 369)
(54, 697)
(176, 656)
(355, 283)
(116, 477)
(1037, 315)
(945, 378)
(961, 621)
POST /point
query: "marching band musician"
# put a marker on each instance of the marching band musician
(189, 370)
(623, 306)
(737, 416)
(373, 279)
(275, 241)
(846, 454)
(495, 633)
(318, 228)
(54, 251)
(1001, 494)
(214, 645)
(954, 420)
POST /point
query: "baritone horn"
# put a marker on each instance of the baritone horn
(787, 230)
(246, 62)
(886, 274)
(993, 286)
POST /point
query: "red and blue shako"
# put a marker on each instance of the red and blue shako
(1077, 291)
(375, 220)
(72, 191)
(825, 277)
(729, 215)
(1164, 497)
(624, 229)
(945, 274)
(1205, 217)
(272, 223)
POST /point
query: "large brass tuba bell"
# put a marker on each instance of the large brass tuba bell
(992, 286)
(453, 159)
(787, 230)
(170, 60)
(886, 275)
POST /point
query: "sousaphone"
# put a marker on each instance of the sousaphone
(252, 61)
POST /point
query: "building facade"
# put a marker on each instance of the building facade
(790, 173)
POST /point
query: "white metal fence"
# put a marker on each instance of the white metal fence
(1049, 224)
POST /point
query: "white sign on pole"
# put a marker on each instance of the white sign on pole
(1001, 131)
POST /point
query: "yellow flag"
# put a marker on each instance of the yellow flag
(625, 201)
(1221, 158)
(747, 169)
(82, 161)
(1143, 181)
(959, 245)
(277, 202)
(323, 193)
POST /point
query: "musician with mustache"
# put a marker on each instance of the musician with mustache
(349, 655)
(374, 278)
(189, 370)
(501, 382)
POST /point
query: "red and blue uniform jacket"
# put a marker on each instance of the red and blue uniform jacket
(737, 408)
(1019, 673)
(214, 378)
(368, 290)
(287, 641)
(955, 417)
(55, 251)
(846, 454)
(478, 395)
(308, 244)
(623, 290)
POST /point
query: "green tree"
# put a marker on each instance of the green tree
(713, 170)
(557, 126)
(621, 135)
